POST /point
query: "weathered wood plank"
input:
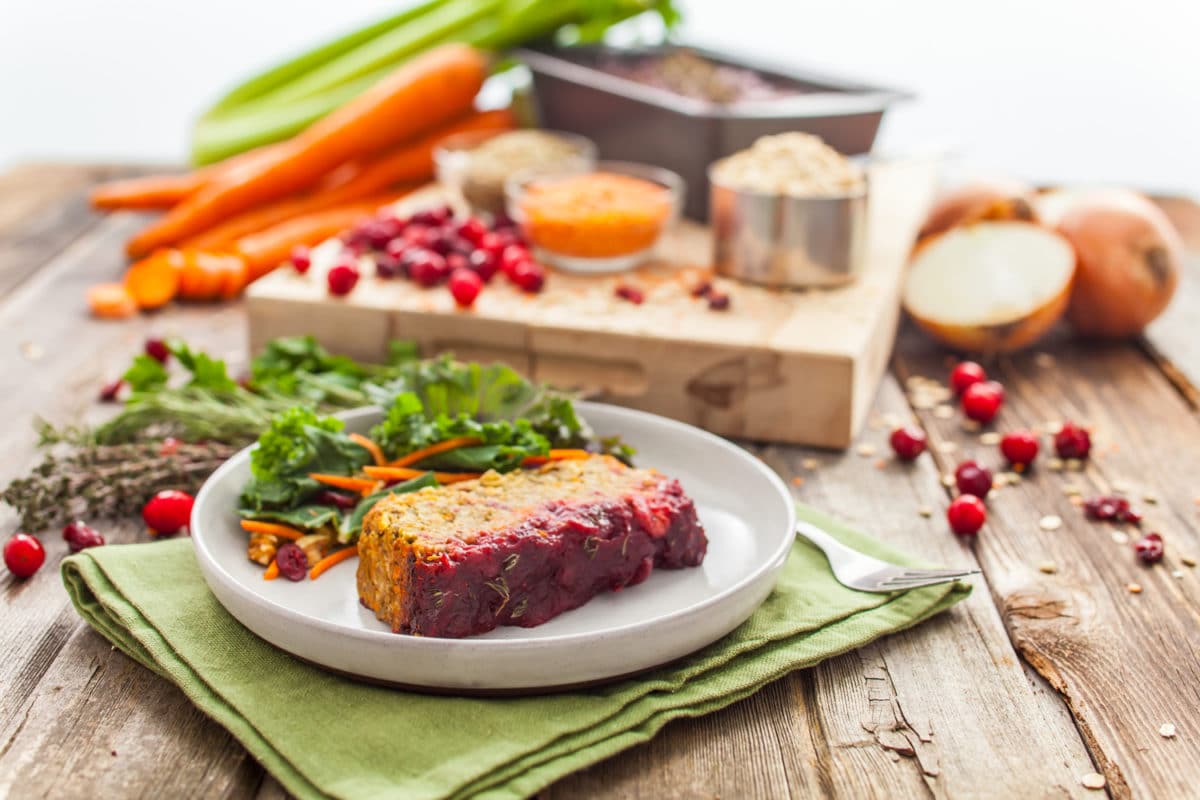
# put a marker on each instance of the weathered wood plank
(944, 710)
(1171, 339)
(69, 699)
(1125, 663)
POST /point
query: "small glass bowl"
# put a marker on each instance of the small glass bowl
(452, 160)
(646, 241)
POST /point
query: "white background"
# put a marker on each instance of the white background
(1052, 90)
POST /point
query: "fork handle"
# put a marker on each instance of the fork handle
(823, 540)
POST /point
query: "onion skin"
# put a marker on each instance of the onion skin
(976, 202)
(999, 337)
(1129, 262)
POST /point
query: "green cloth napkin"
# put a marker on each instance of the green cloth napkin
(323, 735)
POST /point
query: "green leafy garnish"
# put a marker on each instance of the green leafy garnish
(207, 372)
(298, 443)
(145, 374)
(308, 517)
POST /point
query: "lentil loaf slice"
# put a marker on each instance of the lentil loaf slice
(521, 548)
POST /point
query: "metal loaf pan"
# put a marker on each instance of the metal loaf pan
(632, 121)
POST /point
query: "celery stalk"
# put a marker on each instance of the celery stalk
(302, 65)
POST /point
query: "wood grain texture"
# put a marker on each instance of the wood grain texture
(906, 717)
(948, 709)
(1125, 663)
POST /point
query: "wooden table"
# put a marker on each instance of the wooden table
(1036, 680)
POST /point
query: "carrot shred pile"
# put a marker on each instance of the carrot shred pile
(333, 559)
(272, 528)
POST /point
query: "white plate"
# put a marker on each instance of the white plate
(746, 510)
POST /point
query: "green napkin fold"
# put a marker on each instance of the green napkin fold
(323, 735)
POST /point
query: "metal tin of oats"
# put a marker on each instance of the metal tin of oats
(788, 241)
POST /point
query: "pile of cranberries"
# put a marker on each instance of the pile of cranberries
(431, 248)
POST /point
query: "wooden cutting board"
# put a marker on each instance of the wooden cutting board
(789, 366)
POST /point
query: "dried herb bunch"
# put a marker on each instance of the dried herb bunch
(109, 481)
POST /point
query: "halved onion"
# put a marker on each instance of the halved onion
(990, 286)
(994, 200)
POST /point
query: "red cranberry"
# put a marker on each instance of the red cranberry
(971, 478)
(388, 267)
(981, 401)
(529, 276)
(1019, 447)
(964, 374)
(966, 515)
(301, 259)
(23, 555)
(167, 512)
(327, 497)
(427, 268)
(433, 217)
(718, 301)
(503, 221)
(511, 257)
(465, 285)
(157, 349)
(630, 293)
(457, 261)
(417, 236)
(1109, 507)
(342, 279)
(702, 289)
(484, 264)
(396, 248)
(908, 442)
(293, 564)
(110, 390)
(1149, 548)
(80, 536)
(1072, 441)
(472, 229)
(492, 243)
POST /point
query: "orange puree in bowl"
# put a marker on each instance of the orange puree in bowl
(597, 215)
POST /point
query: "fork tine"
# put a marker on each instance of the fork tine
(908, 583)
(922, 574)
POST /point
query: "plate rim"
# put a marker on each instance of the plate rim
(433, 643)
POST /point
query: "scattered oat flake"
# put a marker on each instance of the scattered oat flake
(810, 463)
(989, 438)
(1188, 561)
(1052, 427)
(32, 351)
(875, 423)
(1120, 487)
(1050, 522)
(866, 450)
(1073, 464)
(1000, 481)
(1076, 500)
(1012, 477)
(1048, 567)
(1120, 537)
(1054, 464)
(1167, 731)
(946, 447)
(1177, 573)
(923, 403)
(925, 511)
(1071, 489)
(944, 411)
(1092, 780)
(891, 420)
(970, 425)
(1134, 588)
(1152, 499)
(948, 481)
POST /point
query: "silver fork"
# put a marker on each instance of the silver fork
(865, 573)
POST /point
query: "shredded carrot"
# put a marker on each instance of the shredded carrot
(433, 450)
(557, 455)
(407, 473)
(370, 447)
(272, 571)
(272, 528)
(343, 481)
(376, 486)
(331, 560)
(569, 455)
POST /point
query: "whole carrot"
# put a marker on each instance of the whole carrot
(411, 162)
(265, 250)
(152, 192)
(418, 96)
